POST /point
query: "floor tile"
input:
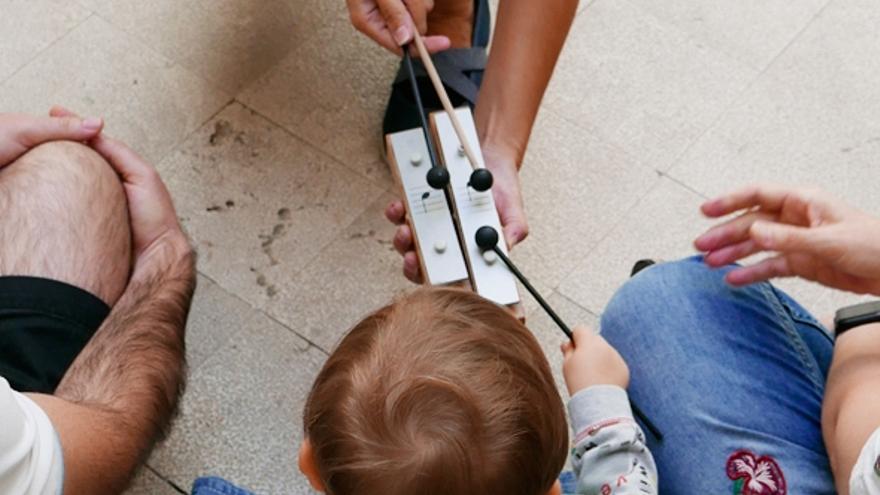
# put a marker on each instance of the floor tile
(333, 95)
(229, 42)
(810, 120)
(643, 85)
(147, 483)
(357, 273)
(148, 101)
(215, 316)
(662, 226)
(241, 416)
(576, 188)
(829, 301)
(753, 32)
(259, 203)
(27, 28)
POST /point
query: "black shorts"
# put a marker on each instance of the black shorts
(44, 324)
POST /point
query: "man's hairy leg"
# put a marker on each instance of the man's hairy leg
(63, 216)
(120, 394)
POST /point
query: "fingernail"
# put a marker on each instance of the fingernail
(401, 36)
(92, 124)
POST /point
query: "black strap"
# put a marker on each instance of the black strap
(453, 66)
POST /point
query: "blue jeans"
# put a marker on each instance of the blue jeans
(733, 378)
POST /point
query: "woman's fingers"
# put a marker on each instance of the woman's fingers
(396, 212)
(418, 11)
(397, 17)
(437, 43)
(767, 197)
(403, 239)
(731, 254)
(774, 267)
(773, 236)
(733, 231)
(411, 268)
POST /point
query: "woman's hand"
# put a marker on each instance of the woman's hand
(391, 23)
(591, 360)
(814, 236)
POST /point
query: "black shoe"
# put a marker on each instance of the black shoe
(460, 69)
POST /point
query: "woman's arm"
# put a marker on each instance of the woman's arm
(528, 39)
(851, 409)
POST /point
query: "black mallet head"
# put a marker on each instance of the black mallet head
(487, 238)
(438, 177)
(481, 179)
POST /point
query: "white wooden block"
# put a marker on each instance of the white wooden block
(430, 216)
(492, 279)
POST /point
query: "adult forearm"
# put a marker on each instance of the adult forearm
(528, 38)
(851, 409)
(134, 366)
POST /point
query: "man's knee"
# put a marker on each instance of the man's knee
(76, 168)
(68, 209)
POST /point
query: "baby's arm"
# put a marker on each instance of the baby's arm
(610, 455)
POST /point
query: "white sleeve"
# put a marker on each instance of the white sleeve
(30, 454)
(865, 478)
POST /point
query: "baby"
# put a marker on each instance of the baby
(443, 392)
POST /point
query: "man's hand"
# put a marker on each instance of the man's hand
(814, 236)
(508, 201)
(19, 133)
(590, 361)
(154, 223)
(391, 23)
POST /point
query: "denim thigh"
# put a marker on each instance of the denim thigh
(734, 379)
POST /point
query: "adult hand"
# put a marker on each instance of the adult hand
(591, 360)
(19, 133)
(814, 236)
(391, 23)
(508, 200)
(154, 224)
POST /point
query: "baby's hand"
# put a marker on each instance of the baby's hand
(591, 360)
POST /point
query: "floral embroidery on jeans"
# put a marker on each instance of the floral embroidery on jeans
(753, 475)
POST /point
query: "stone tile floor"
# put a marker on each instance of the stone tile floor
(264, 120)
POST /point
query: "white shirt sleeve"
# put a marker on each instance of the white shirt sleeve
(865, 478)
(31, 462)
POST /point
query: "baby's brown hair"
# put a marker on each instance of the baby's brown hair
(440, 392)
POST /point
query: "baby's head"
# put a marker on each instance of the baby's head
(441, 392)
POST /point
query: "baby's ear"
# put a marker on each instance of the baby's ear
(556, 489)
(308, 467)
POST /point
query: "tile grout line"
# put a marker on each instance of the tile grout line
(49, 46)
(311, 144)
(724, 112)
(611, 230)
(682, 184)
(667, 24)
(262, 311)
(314, 147)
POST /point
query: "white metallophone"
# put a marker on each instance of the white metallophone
(443, 230)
